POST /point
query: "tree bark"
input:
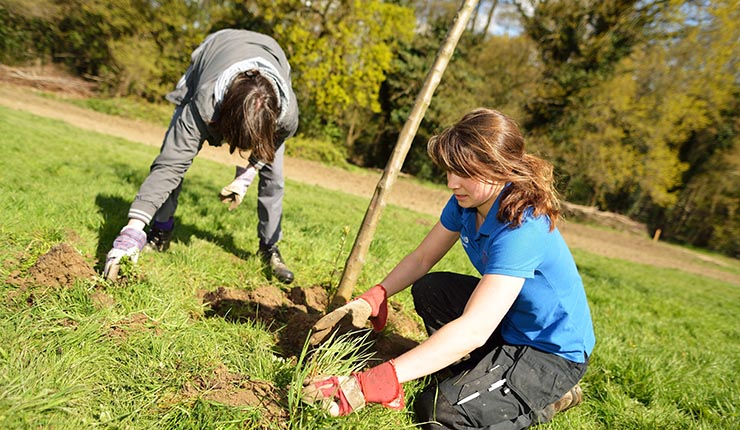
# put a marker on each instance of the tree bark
(490, 17)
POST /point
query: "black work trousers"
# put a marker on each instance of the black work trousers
(499, 386)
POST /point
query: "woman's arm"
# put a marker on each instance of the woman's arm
(486, 307)
(435, 245)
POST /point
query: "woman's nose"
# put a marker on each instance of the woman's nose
(452, 181)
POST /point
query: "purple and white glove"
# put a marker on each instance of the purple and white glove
(233, 194)
(129, 243)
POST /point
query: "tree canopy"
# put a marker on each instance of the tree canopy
(635, 102)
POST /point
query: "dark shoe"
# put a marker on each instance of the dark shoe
(274, 261)
(160, 236)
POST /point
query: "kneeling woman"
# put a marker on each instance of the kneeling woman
(513, 343)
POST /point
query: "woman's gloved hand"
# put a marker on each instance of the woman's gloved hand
(371, 305)
(341, 395)
(129, 243)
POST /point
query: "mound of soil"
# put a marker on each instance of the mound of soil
(61, 267)
(289, 316)
(236, 389)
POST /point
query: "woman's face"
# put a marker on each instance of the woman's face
(473, 193)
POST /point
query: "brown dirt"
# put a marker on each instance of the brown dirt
(138, 322)
(239, 390)
(60, 267)
(628, 244)
(290, 316)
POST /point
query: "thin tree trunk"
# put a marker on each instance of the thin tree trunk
(490, 17)
(474, 19)
(356, 259)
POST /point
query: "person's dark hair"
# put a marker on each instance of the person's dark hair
(487, 145)
(247, 115)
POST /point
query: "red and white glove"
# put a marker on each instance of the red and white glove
(341, 395)
(371, 305)
(233, 194)
(377, 297)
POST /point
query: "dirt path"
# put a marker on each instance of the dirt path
(405, 192)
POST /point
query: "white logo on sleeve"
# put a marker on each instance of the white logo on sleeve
(464, 240)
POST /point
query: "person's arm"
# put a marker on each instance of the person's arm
(373, 303)
(486, 307)
(181, 144)
(435, 245)
(341, 395)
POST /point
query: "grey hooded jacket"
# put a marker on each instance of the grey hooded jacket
(197, 96)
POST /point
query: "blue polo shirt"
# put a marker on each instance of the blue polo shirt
(551, 312)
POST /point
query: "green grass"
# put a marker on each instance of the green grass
(667, 353)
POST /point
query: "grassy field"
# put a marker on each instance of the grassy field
(152, 355)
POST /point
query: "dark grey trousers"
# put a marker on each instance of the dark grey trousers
(270, 193)
(500, 386)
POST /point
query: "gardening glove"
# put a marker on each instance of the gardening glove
(372, 305)
(129, 243)
(233, 194)
(341, 395)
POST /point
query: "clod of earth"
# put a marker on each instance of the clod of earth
(61, 266)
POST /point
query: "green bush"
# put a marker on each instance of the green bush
(317, 150)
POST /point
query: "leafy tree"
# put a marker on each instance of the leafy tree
(340, 51)
(457, 92)
(492, 71)
(579, 43)
(704, 71)
(27, 31)
(132, 47)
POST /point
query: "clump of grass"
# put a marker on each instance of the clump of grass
(338, 355)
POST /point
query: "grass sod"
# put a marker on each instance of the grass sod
(666, 356)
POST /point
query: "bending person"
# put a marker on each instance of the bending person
(237, 89)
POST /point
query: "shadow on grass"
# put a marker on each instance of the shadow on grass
(114, 210)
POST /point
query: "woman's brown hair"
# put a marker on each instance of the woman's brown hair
(488, 145)
(247, 115)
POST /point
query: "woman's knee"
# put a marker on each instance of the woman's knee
(423, 294)
(433, 411)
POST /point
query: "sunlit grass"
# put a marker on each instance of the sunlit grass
(666, 356)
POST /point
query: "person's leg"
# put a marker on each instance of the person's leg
(163, 223)
(507, 390)
(270, 213)
(270, 200)
(440, 297)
